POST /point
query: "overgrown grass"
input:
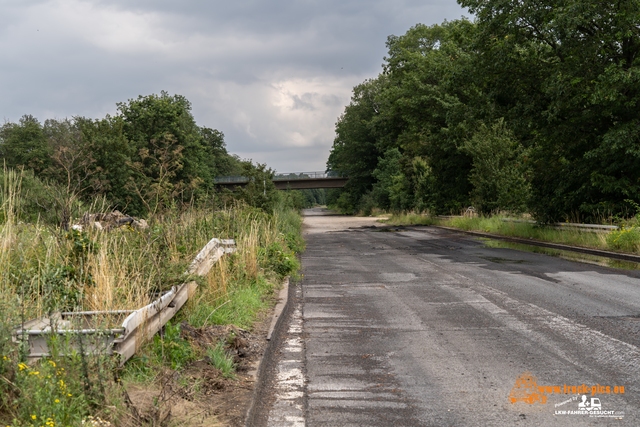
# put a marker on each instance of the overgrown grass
(44, 269)
(626, 239)
(527, 230)
(239, 306)
(410, 219)
(124, 269)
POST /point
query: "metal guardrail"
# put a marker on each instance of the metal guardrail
(96, 331)
(592, 227)
(568, 224)
(285, 176)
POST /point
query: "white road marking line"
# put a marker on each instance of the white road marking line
(287, 411)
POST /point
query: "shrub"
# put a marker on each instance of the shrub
(31, 198)
(280, 259)
(295, 242)
(625, 239)
(172, 348)
(58, 391)
(344, 205)
(498, 173)
(367, 204)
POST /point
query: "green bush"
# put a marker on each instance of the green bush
(280, 259)
(57, 391)
(625, 239)
(367, 204)
(81, 245)
(498, 173)
(290, 224)
(171, 348)
(32, 198)
(344, 205)
(295, 242)
(61, 286)
(49, 395)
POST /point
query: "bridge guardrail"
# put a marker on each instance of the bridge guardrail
(231, 178)
(287, 176)
(309, 175)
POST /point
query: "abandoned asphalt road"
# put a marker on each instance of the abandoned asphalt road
(424, 327)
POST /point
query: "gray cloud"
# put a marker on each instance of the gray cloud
(272, 75)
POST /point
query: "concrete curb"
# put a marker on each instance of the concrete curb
(283, 299)
(274, 336)
(531, 242)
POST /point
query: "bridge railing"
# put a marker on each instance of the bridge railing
(231, 178)
(285, 176)
(309, 175)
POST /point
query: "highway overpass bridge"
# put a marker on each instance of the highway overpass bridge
(294, 181)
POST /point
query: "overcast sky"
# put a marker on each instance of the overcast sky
(273, 76)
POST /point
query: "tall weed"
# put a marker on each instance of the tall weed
(44, 268)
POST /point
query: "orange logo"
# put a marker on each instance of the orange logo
(526, 389)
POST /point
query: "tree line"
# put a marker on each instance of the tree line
(528, 108)
(148, 157)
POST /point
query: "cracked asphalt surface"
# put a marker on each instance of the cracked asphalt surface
(424, 327)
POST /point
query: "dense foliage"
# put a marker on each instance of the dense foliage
(149, 157)
(530, 107)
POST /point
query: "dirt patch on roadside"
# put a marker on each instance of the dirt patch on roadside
(198, 394)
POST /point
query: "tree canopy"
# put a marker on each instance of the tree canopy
(530, 97)
(149, 156)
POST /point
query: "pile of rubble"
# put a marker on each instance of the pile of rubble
(109, 221)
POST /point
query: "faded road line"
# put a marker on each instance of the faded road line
(288, 409)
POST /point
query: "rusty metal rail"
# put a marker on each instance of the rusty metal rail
(106, 331)
(597, 228)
